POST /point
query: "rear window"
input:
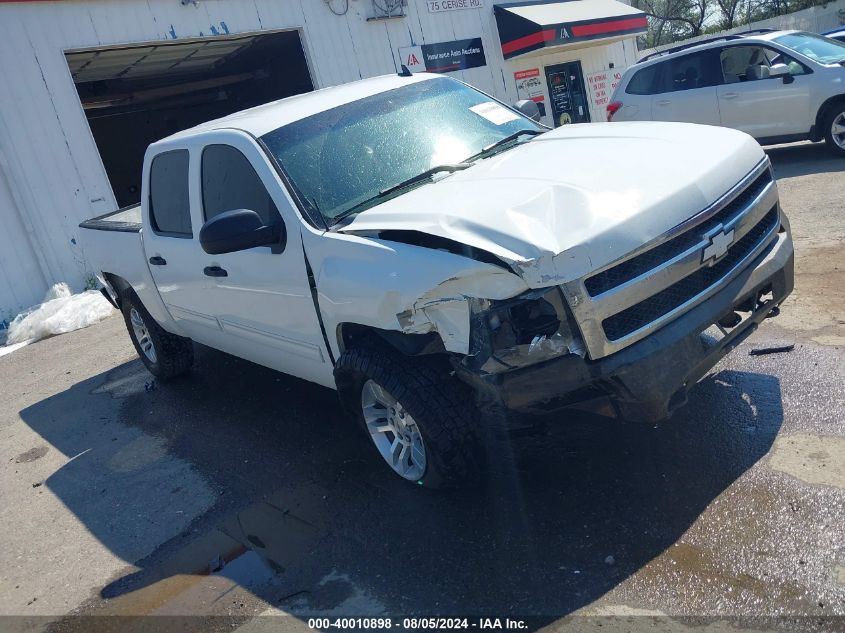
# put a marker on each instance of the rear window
(170, 209)
(644, 81)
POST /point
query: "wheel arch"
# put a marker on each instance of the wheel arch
(408, 344)
(818, 129)
(118, 286)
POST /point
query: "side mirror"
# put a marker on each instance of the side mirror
(781, 70)
(238, 230)
(528, 108)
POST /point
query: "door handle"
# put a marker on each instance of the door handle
(158, 261)
(664, 102)
(215, 271)
(730, 95)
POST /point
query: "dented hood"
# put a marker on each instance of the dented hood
(576, 198)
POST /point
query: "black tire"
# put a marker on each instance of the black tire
(174, 355)
(836, 112)
(441, 406)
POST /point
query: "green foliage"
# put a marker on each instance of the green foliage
(91, 282)
(673, 20)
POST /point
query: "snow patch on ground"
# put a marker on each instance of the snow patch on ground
(60, 312)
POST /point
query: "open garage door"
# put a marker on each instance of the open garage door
(135, 95)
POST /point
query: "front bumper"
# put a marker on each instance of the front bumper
(651, 377)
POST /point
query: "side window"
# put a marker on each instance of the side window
(229, 182)
(752, 63)
(644, 82)
(170, 209)
(777, 57)
(698, 70)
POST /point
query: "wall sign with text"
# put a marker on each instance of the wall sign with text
(440, 6)
(601, 85)
(444, 57)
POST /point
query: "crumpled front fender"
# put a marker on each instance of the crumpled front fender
(402, 287)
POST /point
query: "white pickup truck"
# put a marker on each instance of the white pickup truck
(431, 253)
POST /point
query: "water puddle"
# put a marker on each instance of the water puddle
(247, 553)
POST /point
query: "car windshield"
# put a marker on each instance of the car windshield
(822, 49)
(339, 159)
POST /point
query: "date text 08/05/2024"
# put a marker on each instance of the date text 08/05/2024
(416, 623)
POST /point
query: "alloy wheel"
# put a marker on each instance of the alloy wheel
(837, 130)
(394, 431)
(142, 335)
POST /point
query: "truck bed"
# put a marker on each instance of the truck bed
(114, 243)
(125, 220)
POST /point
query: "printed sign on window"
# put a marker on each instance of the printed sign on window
(601, 85)
(529, 85)
(494, 112)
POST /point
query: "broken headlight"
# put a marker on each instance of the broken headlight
(524, 330)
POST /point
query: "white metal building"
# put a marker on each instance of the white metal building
(87, 84)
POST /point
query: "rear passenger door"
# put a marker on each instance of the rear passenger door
(170, 243)
(763, 106)
(686, 89)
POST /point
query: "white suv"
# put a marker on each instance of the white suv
(778, 86)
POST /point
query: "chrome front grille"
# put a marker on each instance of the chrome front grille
(641, 314)
(652, 258)
(633, 297)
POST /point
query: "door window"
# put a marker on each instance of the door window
(170, 209)
(698, 70)
(229, 182)
(795, 67)
(752, 63)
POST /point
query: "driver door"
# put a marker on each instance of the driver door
(753, 102)
(260, 299)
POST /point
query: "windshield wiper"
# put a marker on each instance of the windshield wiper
(426, 175)
(487, 149)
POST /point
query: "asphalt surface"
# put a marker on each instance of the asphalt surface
(236, 491)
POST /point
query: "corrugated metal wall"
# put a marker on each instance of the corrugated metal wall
(52, 177)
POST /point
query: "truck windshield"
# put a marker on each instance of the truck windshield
(341, 159)
(821, 49)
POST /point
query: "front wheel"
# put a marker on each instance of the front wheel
(165, 355)
(834, 127)
(419, 419)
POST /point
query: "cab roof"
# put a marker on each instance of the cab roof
(270, 116)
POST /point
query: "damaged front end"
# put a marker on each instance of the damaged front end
(524, 330)
(532, 334)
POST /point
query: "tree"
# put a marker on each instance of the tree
(730, 12)
(672, 20)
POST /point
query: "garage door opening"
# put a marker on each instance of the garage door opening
(135, 95)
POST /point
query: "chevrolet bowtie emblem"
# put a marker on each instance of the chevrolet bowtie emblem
(718, 246)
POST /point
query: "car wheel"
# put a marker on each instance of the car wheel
(165, 355)
(835, 129)
(420, 420)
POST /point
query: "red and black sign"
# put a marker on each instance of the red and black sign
(520, 34)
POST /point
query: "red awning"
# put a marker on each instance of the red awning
(527, 27)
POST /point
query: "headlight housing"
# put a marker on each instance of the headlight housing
(523, 330)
